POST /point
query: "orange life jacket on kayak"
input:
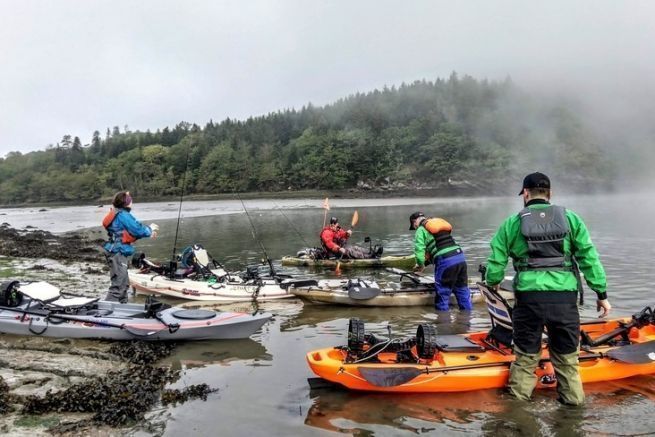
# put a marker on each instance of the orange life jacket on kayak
(126, 237)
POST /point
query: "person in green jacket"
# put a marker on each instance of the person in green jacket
(434, 243)
(547, 244)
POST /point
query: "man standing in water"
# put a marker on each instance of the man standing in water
(433, 242)
(545, 242)
(123, 230)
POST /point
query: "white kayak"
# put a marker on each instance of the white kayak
(39, 309)
(232, 289)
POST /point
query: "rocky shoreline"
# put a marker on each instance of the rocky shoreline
(61, 386)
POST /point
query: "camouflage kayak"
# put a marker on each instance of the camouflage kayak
(406, 261)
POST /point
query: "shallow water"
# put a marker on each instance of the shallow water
(262, 381)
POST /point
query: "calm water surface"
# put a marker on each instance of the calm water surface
(262, 381)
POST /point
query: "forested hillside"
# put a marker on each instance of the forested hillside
(464, 133)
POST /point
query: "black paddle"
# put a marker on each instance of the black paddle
(640, 353)
(138, 332)
(50, 315)
(393, 376)
(414, 277)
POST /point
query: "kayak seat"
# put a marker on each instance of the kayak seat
(72, 303)
(456, 343)
(500, 313)
(40, 291)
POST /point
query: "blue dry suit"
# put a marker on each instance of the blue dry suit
(450, 276)
(125, 221)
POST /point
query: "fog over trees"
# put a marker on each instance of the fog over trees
(459, 132)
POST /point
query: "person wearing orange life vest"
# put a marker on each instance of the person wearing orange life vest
(123, 230)
(433, 243)
(333, 239)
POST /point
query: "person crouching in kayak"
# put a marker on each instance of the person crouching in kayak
(123, 230)
(334, 238)
(433, 243)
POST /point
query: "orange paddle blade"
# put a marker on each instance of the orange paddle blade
(337, 270)
(355, 218)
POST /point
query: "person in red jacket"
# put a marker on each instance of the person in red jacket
(333, 239)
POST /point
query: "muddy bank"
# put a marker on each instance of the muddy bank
(35, 243)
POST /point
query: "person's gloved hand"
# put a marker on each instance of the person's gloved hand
(155, 229)
(349, 232)
(342, 251)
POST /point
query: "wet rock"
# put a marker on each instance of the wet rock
(142, 352)
(5, 398)
(196, 391)
(25, 383)
(30, 243)
(60, 364)
(117, 399)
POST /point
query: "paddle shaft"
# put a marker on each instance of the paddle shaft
(447, 369)
(72, 319)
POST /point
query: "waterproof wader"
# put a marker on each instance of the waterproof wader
(450, 277)
(118, 276)
(557, 311)
(356, 252)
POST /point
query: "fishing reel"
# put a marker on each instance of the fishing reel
(426, 344)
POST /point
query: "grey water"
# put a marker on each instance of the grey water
(262, 382)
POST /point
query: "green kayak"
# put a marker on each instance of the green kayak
(406, 261)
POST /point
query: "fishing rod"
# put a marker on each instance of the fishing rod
(292, 226)
(179, 212)
(254, 236)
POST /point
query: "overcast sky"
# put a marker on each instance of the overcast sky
(71, 67)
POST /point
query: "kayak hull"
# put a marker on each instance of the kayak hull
(154, 284)
(385, 261)
(129, 323)
(334, 292)
(487, 369)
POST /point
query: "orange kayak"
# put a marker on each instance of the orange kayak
(458, 363)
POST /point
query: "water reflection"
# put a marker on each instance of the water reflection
(199, 354)
(488, 412)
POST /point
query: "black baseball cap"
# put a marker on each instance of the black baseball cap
(413, 217)
(334, 220)
(535, 180)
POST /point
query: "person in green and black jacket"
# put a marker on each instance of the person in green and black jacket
(434, 243)
(546, 242)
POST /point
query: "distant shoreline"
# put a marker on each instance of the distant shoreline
(352, 193)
